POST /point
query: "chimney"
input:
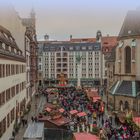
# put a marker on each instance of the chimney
(107, 35)
(70, 37)
(46, 37)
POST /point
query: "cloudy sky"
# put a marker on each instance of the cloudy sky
(81, 18)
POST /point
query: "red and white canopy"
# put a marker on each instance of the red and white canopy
(61, 110)
(72, 112)
(48, 109)
(81, 114)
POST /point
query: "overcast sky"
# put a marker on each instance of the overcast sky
(80, 18)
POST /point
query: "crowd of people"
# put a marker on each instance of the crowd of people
(124, 131)
(73, 99)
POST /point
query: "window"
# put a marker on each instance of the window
(8, 94)
(12, 115)
(17, 89)
(39, 59)
(3, 126)
(128, 59)
(71, 48)
(8, 120)
(7, 70)
(13, 91)
(84, 48)
(1, 71)
(0, 44)
(90, 47)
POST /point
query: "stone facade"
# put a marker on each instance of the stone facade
(125, 90)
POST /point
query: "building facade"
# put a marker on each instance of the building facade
(31, 55)
(125, 92)
(12, 83)
(60, 57)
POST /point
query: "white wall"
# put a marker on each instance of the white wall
(8, 82)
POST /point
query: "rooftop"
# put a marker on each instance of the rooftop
(131, 25)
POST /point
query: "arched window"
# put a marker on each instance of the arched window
(126, 105)
(121, 105)
(127, 59)
(134, 105)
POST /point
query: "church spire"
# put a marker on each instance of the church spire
(32, 13)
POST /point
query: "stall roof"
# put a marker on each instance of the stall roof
(81, 114)
(61, 110)
(137, 120)
(96, 98)
(73, 112)
(85, 136)
(48, 109)
(34, 130)
(58, 122)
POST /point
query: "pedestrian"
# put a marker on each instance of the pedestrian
(23, 122)
(26, 122)
(13, 134)
(32, 118)
(110, 118)
(35, 119)
(102, 121)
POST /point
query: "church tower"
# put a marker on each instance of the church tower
(33, 18)
(98, 36)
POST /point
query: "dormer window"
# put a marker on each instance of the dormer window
(6, 47)
(0, 45)
(3, 46)
(106, 50)
(105, 42)
(121, 44)
(133, 43)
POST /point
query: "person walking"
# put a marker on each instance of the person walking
(32, 118)
(102, 121)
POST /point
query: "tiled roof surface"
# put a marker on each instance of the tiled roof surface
(126, 88)
(131, 25)
(109, 41)
(83, 40)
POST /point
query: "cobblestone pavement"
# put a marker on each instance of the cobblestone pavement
(37, 105)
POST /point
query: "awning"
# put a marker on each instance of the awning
(48, 109)
(85, 136)
(61, 110)
(137, 120)
(72, 112)
(81, 114)
(95, 99)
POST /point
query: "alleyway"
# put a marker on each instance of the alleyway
(36, 102)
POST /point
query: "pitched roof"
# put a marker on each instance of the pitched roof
(126, 88)
(83, 40)
(131, 25)
(109, 41)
